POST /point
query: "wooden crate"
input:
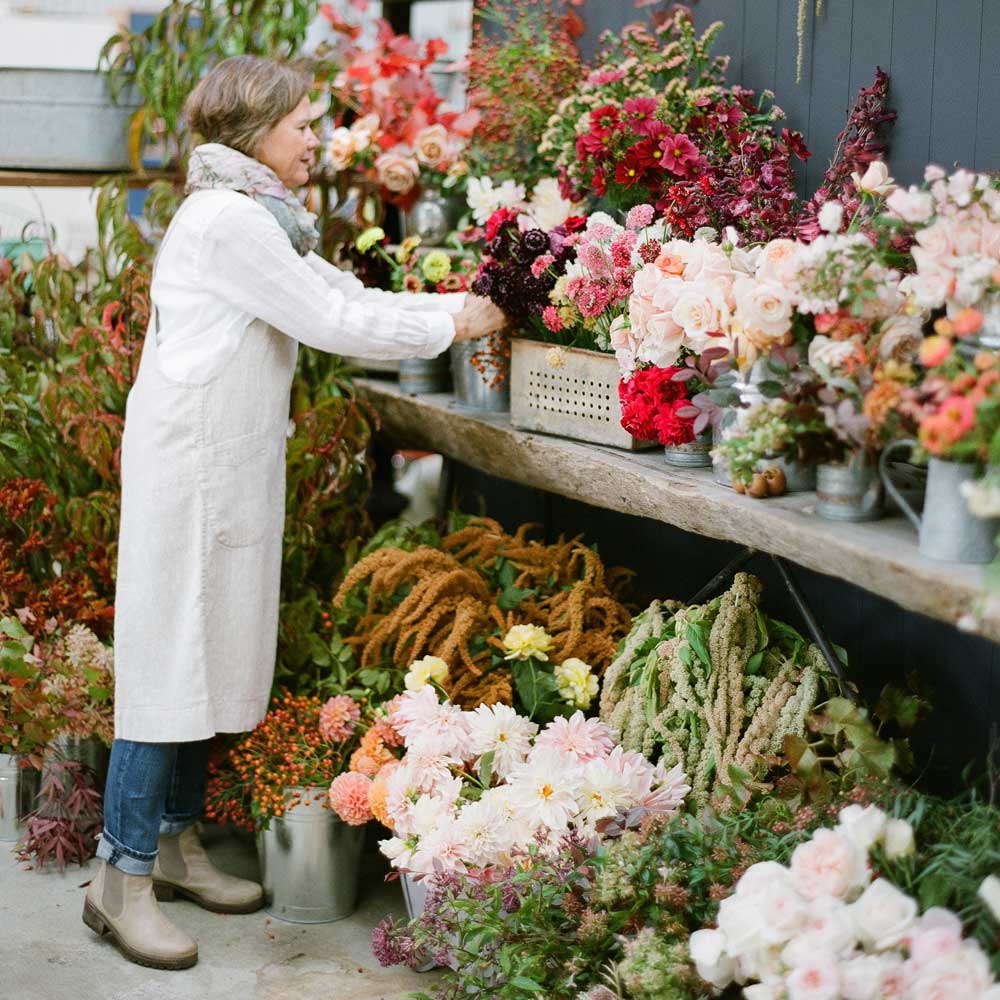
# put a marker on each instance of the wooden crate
(568, 392)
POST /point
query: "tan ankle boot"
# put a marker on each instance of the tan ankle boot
(123, 906)
(182, 867)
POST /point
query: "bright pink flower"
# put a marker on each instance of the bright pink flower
(551, 319)
(349, 798)
(680, 154)
(337, 718)
(593, 298)
(539, 264)
(604, 120)
(603, 77)
(640, 108)
(639, 217)
(593, 258)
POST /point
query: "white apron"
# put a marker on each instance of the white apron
(199, 559)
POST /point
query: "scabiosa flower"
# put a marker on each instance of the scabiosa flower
(535, 241)
(338, 717)
(578, 738)
(650, 250)
(639, 217)
(551, 319)
(349, 798)
(540, 264)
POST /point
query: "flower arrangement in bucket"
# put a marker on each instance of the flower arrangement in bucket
(416, 271)
(825, 925)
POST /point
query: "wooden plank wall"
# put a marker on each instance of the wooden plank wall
(941, 57)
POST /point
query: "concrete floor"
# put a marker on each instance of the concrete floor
(46, 953)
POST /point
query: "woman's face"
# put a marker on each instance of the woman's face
(289, 149)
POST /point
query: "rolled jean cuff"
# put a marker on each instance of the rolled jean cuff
(170, 826)
(124, 858)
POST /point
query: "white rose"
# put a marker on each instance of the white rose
(831, 217)
(832, 353)
(759, 877)
(700, 310)
(876, 179)
(911, 205)
(818, 979)
(989, 892)
(739, 919)
(828, 865)
(761, 991)
(897, 840)
(778, 261)
(862, 825)
(883, 915)
(763, 309)
(341, 149)
(861, 977)
(961, 974)
(708, 952)
(900, 337)
(781, 911)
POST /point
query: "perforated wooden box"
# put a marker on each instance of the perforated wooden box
(568, 392)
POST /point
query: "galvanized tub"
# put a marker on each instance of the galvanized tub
(419, 376)
(696, 454)
(480, 370)
(18, 790)
(310, 860)
(851, 491)
(63, 119)
(569, 392)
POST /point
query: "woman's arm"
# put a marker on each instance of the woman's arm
(249, 261)
(354, 290)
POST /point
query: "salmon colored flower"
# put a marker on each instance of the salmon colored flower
(349, 798)
(934, 351)
(967, 321)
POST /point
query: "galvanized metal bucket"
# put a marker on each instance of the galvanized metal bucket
(18, 791)
(694, 455)
(310, 861)
(849, 491)
(420, 376)
(948, 531)
(415, 897)
(91, 752)
(63, 119)
(480, 370)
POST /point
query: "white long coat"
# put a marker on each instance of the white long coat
(203, 458)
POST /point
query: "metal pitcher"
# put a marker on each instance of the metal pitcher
(486, 390)
(849, 491)
(947, 531)
(310, 861)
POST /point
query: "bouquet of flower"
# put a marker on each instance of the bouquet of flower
(544, 208)
(475, 789)
(955, 223)
(656, 123)
(401, 135)
(411, 270)
(825, 926)
(301, 743)
(522, 265)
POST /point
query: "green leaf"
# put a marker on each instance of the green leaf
(486, 768)
(512, 596)
(537, 690)
(696, 638)
(524, 983)
(754, 663)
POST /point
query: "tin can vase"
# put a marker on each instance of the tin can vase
(947, 530)
(415, 897)
(697, 454)
(310, 861)
(18, 791)
(849, 491)
(799, 478)
(480, 370)
(422, 376)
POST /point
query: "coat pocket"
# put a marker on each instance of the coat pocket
(242, 489)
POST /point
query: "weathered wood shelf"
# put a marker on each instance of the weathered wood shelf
(881, 556)
(77, 178)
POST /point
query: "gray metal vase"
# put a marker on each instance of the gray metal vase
(18, 791)
(310, 862)
(415, 897)
(849, 491)
(947, 530)
(480, 370)
(420, 376)
(697, 454)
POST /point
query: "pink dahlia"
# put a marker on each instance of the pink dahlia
(349, 798)
(577, 737)
(337, 718)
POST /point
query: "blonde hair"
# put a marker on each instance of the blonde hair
(242, 98)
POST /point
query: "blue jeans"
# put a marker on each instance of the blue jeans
(152, 789)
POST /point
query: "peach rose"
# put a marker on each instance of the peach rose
(778, 261)
(431, 145)
(340, 152)
(764, 310)
(828, 865)
(396, 172)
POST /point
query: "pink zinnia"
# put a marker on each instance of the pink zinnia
(577, 737)
(337, 718)
(349, 798)
(639, 217)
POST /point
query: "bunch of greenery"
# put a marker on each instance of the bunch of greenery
(165, 61)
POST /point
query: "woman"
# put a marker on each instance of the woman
(235, 288)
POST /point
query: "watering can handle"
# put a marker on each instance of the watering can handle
(883, 471)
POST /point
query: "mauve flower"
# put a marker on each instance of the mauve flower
(337, 718)
(578, 738)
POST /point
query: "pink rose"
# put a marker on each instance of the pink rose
(396, 172)
(911, 205)
(341, 149)
(778, 261)
(432, 146)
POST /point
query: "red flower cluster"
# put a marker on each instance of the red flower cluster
(651, 403)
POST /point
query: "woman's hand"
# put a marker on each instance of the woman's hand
(478, 318)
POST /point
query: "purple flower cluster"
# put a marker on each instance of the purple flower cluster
(521, 267)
